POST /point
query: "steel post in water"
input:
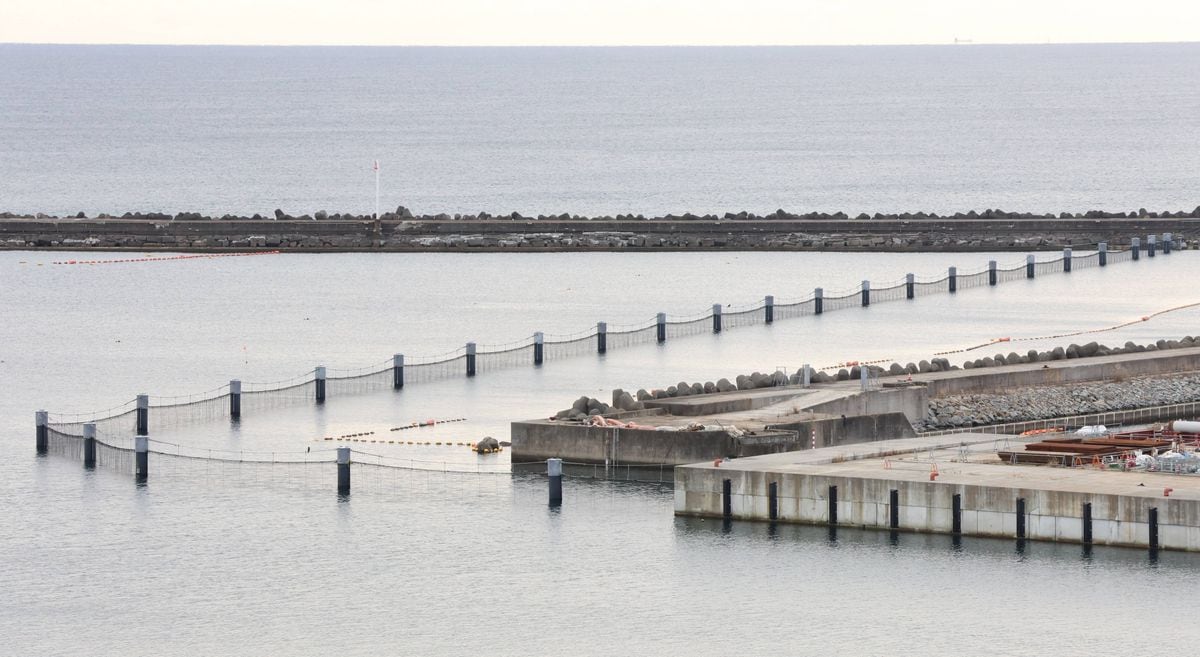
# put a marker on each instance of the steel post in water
(956, 514)
(343, 470)
(866, 293)
(952, 279)
(470, 359)
(910, 286)
(1067, 260)
(716, 314)
(554, 471)
(661, 322)
(1020, 517)
(141, 453)
(1103, 253)
(142, 425)
(1152, 539)
(894, 509)
(41, 421)
(89, 445)
(539, 348)
(769, 307)
(1135, 245)
(1167, 237)
(833, 503)
(1029, 262)
(1087, 523)
(601, 337)
(235, 400)
(1151, 243)
(319, 381)
(818, 301)
(991, 272)
(773, 500)
(397, 371)
(727, 498)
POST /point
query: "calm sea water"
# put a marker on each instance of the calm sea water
(225, 560)
(249, 561)
(599, 130)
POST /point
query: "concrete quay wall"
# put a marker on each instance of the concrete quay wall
(540, 440)
(986, 511)
(943, 234)
(1100, 368)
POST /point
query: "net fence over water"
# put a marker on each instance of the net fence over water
(165, 413)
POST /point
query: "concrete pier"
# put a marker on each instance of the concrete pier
(946, 485)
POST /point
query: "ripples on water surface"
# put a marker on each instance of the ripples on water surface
(599, 130)
(230, 560)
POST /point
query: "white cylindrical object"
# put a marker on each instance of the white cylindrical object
(1185, 426)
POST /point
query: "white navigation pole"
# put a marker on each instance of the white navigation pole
(376, 167)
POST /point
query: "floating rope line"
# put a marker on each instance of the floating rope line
(1144, 318)
(164, 258)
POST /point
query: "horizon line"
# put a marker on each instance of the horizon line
(955, 42)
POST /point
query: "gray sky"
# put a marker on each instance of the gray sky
(595, 22)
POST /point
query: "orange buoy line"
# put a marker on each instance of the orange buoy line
(1144, 318)
(192, 256)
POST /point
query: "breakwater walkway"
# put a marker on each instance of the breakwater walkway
(986, 231)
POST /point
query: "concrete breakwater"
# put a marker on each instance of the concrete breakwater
(400, 231)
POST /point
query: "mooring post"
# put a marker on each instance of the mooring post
(470, 359)
(1020, 517)
(769, 307)
(1087, 523)
(952, 279)
(89, 445)
(773, 500)
(397, 371)
(343, 470)
(1151, 243)
(602, 337)
(661, 322)
(818, 301)
(1135, 245)
(1167, 237)
(864, 375)
(910, 286)
(319, 381)
(1153, 526)
(235, 400)
(554, 471)
(1066, 260)
(833, 503)
(991, 272)
(539, 348)
(806, 375)
(41, 421)
(866, 293)
(1029, 262)
(716, 314)
(1103, 253)
(141, 463)
(142, 424)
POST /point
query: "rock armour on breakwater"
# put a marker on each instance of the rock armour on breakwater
(991, 230)
(1046, 402)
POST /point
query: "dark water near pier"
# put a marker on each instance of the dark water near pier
(228, 560)
(599, 130)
